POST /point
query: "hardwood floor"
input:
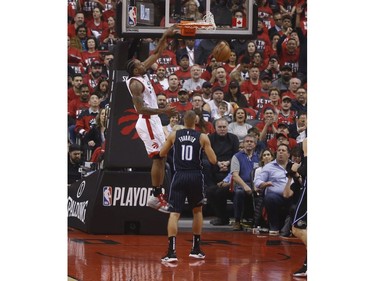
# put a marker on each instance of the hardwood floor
(229, 256)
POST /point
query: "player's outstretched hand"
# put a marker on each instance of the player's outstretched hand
(170, 110)
(171, 31)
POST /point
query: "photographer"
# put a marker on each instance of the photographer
(292, 188)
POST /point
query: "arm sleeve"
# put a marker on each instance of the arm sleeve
(261, 177)
(234, 165)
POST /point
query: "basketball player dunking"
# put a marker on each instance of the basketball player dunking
(149, 127)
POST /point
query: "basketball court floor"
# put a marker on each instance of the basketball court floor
(230, 256)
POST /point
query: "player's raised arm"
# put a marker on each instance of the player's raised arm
(160, 47)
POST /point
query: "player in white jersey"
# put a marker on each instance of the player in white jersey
(149, 127)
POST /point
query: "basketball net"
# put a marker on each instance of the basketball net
(209, 18)
(188, 28)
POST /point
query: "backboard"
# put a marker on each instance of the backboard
(150, 18)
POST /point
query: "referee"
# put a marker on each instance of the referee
(187, 182)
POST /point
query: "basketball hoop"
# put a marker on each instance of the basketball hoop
(189, 28)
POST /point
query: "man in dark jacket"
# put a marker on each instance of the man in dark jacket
(225, 145)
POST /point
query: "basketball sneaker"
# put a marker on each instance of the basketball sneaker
(169, 257)
(302, 272)
(158, 203)
(197, 254)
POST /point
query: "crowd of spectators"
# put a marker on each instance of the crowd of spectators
(260, 91)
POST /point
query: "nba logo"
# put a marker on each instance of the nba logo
(132, 16)
(107, 196)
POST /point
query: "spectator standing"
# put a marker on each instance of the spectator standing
(277, 28)
(287, 7)
(221, 79)
(289, 52)
(265, 14)
(188, 50)
(262, 41)
(204, 50)
(273, 49)
(168, 59)
(260, 98)
(253, 84)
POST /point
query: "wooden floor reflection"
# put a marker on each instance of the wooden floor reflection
(230, 256)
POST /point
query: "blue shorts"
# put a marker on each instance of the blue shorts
(186, 184)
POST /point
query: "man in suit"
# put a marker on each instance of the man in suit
(189, 50)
